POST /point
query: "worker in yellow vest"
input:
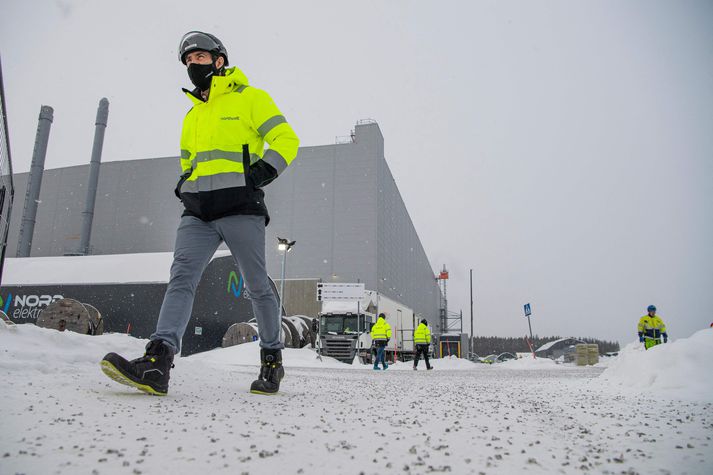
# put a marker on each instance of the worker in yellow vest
(380, 336)
(422, 338)
(652, 329)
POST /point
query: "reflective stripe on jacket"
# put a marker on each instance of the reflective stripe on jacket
(216, 134)
(651, 327)
(381, 330)
(422, 335)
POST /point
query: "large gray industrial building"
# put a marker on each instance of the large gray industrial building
(339, 202)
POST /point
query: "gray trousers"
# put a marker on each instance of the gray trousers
(196, 242)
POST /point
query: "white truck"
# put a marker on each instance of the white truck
(343, 335)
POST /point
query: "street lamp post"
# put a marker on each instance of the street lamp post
(471, 311)
(283, 245)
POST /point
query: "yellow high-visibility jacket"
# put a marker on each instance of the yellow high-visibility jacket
(651, 327)
(422, 335)
(381, 330)
(221, 138)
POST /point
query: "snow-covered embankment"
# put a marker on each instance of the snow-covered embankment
(678, 370)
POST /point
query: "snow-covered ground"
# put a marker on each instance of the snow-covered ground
(60, 414)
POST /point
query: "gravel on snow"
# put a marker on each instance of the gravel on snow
(485, 420)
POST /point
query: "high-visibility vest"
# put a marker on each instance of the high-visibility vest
(223, 134)
(651, 327)
(381, 330)
(422, 335)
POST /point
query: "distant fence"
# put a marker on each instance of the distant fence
(7, 188)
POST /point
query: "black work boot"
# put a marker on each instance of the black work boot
(149, 374)
(271, 373)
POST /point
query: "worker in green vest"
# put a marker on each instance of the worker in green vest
(422, 338)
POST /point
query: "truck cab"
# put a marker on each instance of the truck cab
(342, 335)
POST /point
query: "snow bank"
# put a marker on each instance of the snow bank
(249, 354)
(31, 347)
(530, 363)
(28, 347)
(678, 370)
(605, 361)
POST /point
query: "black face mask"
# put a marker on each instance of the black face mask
(201, 75)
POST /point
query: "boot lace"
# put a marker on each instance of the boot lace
(269, 368)
(153, 352)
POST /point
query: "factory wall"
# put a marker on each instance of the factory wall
(135, 211)
(339, 202)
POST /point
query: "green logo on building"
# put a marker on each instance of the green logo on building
(235, 283)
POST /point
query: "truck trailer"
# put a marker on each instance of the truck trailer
(344, 329)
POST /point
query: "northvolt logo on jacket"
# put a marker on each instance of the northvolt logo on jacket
(230, 118)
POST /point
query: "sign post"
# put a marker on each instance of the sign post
(528, 312)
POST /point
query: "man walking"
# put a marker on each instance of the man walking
(380, 336)
(224, 166)
(651, 329)
(422, 338)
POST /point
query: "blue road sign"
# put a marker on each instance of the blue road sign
(528, 312)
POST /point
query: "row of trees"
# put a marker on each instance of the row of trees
(488, 345)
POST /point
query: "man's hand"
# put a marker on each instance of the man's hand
(181, 180)
(641, 337)
(261, 174)
(665, 337)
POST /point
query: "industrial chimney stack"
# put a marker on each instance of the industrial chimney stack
(32, 194)
(94, 166)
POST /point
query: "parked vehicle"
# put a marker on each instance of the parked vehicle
(490, 359)
(344, 328)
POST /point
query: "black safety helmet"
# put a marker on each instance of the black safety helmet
(382, 315)
(424, 321)
(197, 40)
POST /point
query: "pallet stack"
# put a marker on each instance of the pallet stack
(582, 354)
(587, 354)
(592, 353)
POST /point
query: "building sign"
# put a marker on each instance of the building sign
(326, 291)
(21, 306)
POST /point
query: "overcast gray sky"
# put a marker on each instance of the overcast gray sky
(563, 150)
